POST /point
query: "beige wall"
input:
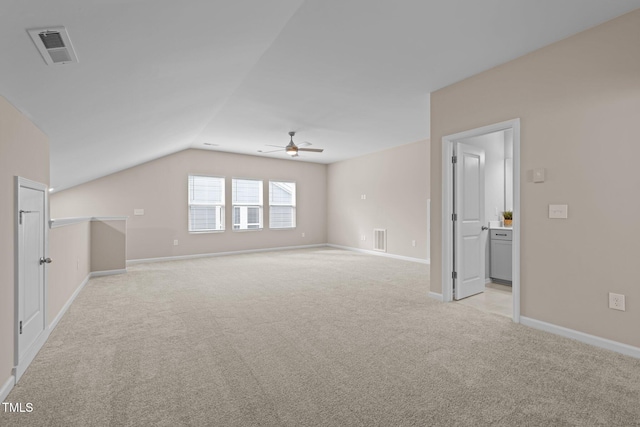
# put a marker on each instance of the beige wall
(579, 102)
(160, 188)
(24, 151)
(69, 248)
(396, 185)
(108, 245)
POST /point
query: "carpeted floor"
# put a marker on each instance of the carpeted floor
(317, 337)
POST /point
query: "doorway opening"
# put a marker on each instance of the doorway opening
(472, 213)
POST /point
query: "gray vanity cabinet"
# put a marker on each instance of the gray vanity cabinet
(501, 254)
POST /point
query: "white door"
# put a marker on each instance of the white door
(31, 269)
(469, 249)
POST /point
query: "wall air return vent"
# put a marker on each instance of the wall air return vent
(54, 45)
(380, 239)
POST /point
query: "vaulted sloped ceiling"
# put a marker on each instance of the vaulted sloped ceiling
(158, 76)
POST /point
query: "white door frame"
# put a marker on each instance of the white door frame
(20, 366)
(447, 207)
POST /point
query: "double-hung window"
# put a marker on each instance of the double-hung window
(247, 204)
(206, 203)
(282, 204)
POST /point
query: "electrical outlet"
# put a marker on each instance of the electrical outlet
(616, 301)
(175, 243)
(302, 234)
(413, 243)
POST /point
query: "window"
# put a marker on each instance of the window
(282, 204)
(206, 203)
(247, 204)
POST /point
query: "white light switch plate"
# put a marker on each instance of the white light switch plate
(559, 211)
(538, 175)
(138, 211)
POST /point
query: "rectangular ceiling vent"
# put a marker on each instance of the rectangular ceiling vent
(54, 45)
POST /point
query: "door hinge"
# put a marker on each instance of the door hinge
(454, 159)
(23, 212)
(454, 217)
(21, 327)
(454, 275)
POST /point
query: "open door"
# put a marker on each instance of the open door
(31, 227)
(469, 221)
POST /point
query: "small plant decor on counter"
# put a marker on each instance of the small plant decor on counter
(508, 218)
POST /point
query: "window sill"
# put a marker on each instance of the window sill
(207, 232)
(247, 230)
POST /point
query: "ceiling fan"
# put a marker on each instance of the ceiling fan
(292, 149)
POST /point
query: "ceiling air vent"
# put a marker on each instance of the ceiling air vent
(54, 45)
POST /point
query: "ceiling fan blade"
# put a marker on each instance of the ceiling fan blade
(270, 151)
(313, 150)
(279, 146)
(304, 144)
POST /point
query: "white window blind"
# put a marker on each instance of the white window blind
(206, 203)
(282, 204)
(247, 204)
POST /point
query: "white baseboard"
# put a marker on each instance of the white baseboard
(66, 306)
(582, 337)
(6, 388)
(215, 254)
(384, 254)
(108, 272)
(435, 295)
(31, 354)
(35, 348)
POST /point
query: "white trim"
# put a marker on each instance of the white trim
(446, 237)
(216, 254)
(31, 353)
(435, 295)
(61, 222)
(618, 347)
(66, 306)
(447, 203)
(384, 254)
(7, 387)
(72, 298)
(108, 272)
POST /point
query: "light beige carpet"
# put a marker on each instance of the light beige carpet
(318, 337)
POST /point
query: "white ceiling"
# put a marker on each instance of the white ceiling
(350, 76)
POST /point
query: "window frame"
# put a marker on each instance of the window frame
(221, 206)
(293, 205)
(259, 206)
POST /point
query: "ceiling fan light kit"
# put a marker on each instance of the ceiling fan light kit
(292, 150)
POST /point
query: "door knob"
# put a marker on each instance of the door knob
(484, 228)
(45, 260)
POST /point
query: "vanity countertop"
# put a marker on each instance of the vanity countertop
(501, 228)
